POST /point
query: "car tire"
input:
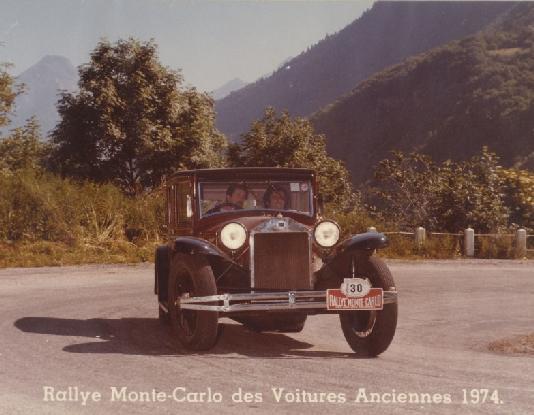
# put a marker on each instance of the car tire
(195, 330)
(369, 333)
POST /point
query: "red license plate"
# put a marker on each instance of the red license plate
(337, 300)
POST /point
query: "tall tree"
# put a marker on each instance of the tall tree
(8, 93)
(282, 141)
(131, 121)
(23, 148)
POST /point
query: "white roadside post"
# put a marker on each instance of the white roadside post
(521, 243)
(420, 236)
(371, 229)
(469, 242)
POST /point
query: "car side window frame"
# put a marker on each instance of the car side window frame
(180, 209)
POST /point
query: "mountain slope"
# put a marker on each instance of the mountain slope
(228, 88)
(382, 36)
(43, 82)
(448, 102)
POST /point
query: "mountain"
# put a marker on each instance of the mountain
(447, 102)
(43, 82)
(227, 88)
(384, 35)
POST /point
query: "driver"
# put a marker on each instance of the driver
(236, 194)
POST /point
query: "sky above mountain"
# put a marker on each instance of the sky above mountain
(211, 41)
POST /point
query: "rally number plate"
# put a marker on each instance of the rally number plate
(336, 299)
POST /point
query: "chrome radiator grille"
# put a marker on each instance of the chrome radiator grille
(281, 261)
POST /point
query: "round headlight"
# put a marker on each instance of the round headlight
(326, 234)
(233, 235)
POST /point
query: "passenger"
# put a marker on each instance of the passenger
(275, 197)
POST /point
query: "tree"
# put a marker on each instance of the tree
(519, 196)
(471, 194)
(8, 93)
(414, 191)
(23, 149)
(282, 141)
(407, 189)
(131, 122)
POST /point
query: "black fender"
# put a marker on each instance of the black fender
(368, 241)
(225, 269)
(353, 249)
(195, 246)
(161, 274)
(185, 245)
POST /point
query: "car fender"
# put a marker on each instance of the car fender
(368, 241)
(338, 264)
(220, 262)
(197, 246)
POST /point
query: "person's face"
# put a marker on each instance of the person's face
(277, 200)
(238, 197)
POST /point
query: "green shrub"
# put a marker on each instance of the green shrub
(40, 206)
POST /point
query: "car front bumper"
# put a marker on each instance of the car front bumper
(264, 301)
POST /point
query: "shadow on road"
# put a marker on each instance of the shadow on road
(145, 336)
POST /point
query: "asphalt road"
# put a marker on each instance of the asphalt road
(93, 329)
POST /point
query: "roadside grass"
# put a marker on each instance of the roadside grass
(46, 253)
(523, 344)
(26, 253)
(435, 247)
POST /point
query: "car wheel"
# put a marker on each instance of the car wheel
(191, 275)
(369, 333)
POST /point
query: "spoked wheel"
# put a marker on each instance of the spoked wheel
(192, 276)
(369, 333)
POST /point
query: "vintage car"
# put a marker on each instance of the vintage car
(251, 244)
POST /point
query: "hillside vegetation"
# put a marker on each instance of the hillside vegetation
(384, 35)
(447, 103)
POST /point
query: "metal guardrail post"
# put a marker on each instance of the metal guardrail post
(420, 236)
(521, 243)
(469, 242)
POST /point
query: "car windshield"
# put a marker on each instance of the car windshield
(280, 195)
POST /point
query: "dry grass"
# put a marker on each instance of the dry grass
(435, 247)
(45, 253)
(518, 344)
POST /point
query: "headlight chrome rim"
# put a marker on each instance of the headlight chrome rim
(334, 237)
(233, 236)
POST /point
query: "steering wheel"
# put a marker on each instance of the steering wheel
(228, 204)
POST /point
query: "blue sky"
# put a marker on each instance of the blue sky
(211, 41)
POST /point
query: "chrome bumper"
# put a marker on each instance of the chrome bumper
(269, 301)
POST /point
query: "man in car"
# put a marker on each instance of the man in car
(236, 194)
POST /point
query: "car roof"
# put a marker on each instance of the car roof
(238, 172)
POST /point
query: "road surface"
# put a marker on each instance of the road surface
(86, 340)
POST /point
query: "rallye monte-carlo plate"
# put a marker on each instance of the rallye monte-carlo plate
(355, 294)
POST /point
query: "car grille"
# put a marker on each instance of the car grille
(281, 261)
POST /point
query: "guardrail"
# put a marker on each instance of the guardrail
(520, 238)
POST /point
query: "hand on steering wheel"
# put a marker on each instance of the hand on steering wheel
(221, 207)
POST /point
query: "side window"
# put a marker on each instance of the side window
(183, 203)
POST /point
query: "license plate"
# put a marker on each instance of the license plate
(338, 300)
